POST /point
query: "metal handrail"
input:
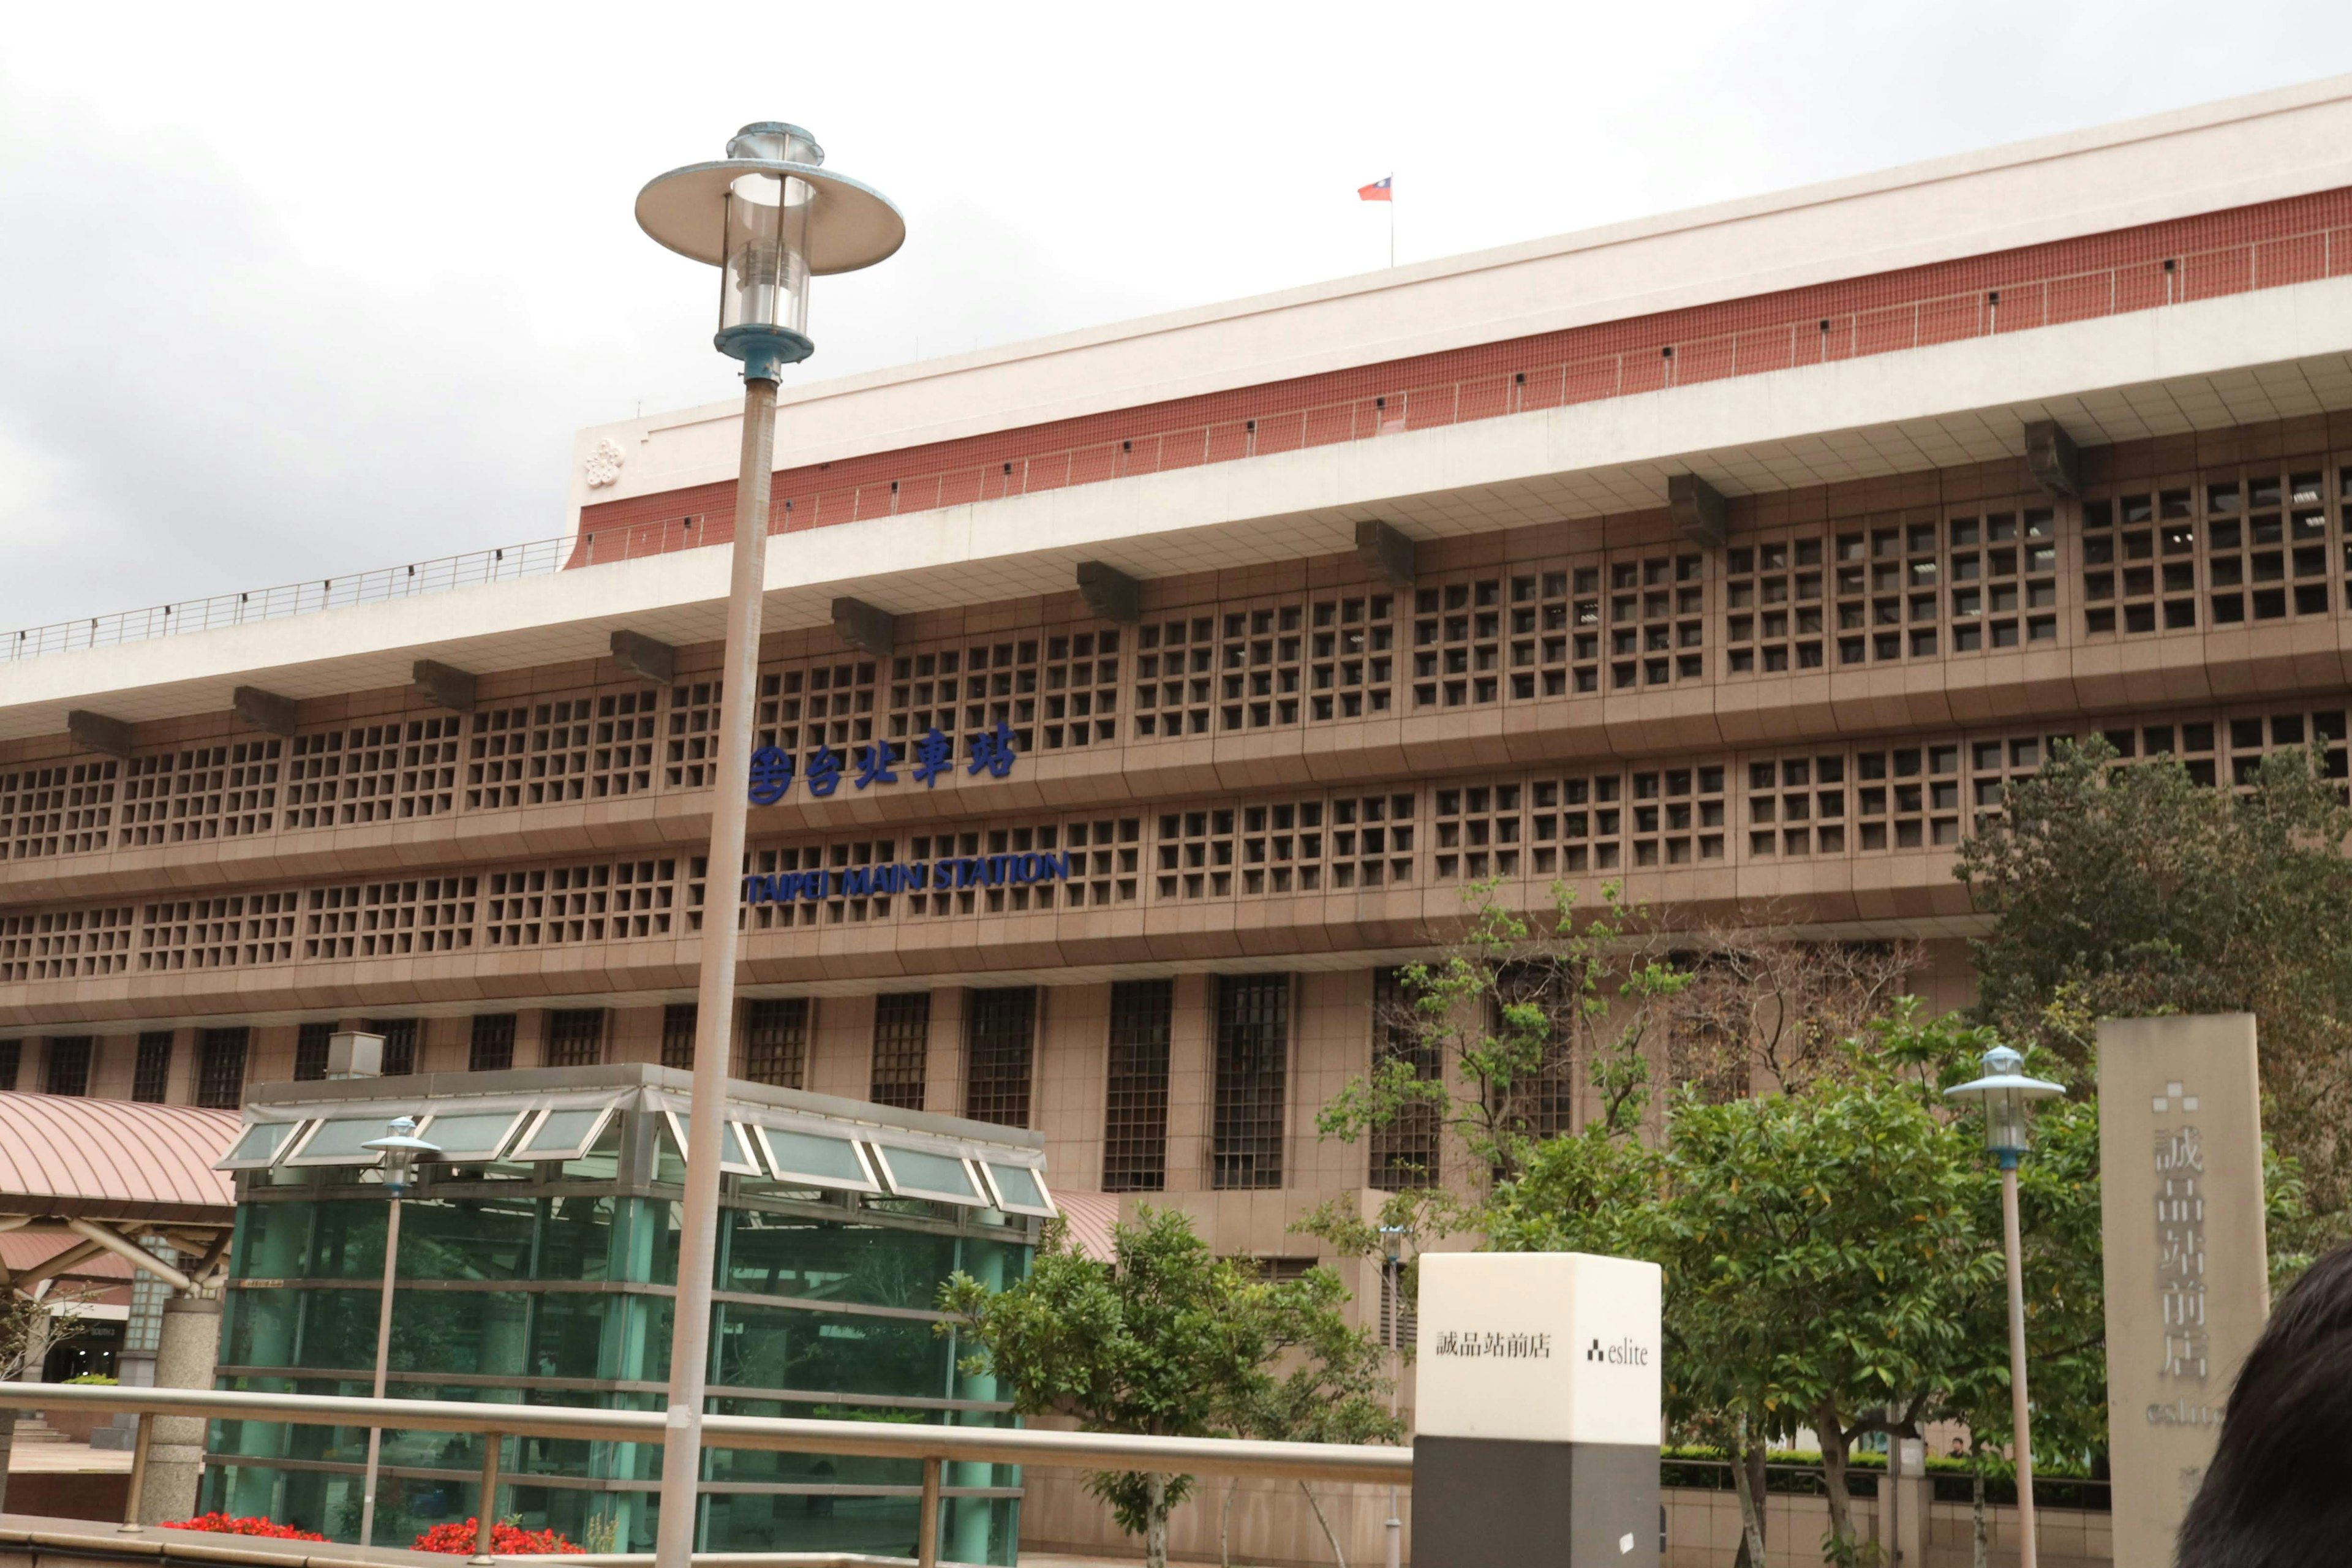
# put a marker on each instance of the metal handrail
(779, 1434)
(933, 1446)
(1794, 344)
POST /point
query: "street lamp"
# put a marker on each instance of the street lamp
(1392, 1263)
(401, 1148)
(770, 218)
(2006, 1095)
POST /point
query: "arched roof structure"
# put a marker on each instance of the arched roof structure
(114, 1160)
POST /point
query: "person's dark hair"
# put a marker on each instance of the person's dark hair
(2279, 1493)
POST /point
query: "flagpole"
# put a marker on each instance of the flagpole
(1391, 203)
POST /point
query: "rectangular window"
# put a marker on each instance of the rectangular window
(401, 1037)
(1252, 1081)
(902, 1048)
(775, 1042)
(12, 1056)
(1404, 1152)
(311, 1052)
(150, 1075)
(492, 1048)
(678, 1021)
(575, 1037)
(1543, 1103)
(68, 1068)
(220, 1069)
(1135, 1116)
(999, 1048)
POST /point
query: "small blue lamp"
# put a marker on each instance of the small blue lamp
(2005, 1094)
(770, 218)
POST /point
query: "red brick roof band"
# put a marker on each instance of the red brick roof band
(2234, 251)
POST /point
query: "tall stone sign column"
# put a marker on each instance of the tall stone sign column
(1537, 1412)
(2187, 1262)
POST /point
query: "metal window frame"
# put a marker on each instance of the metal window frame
(988, 1175)
(748, 1166)
(229, 1162)
(782, 1172)
(300, 1155)
(978, 1198)
(523, 1153)
(472, 1156)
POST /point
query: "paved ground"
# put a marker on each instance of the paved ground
(55, 1457)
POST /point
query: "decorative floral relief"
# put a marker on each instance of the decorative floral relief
(603, 464)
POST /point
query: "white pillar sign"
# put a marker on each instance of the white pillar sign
(1538, 1419)
(2186, 1264)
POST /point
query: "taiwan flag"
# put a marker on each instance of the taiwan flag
(1378, 191)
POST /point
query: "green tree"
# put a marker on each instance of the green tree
(1165, 1341)
(2060, 1244)
(1817, 1250)
(1519, 1016)
(1336, 1390)
(2130, 891)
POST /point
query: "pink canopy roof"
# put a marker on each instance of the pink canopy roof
(114, 1159)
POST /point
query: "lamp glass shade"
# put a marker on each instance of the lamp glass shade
(2005, 1120)
(764, 278)
(2006, 1097)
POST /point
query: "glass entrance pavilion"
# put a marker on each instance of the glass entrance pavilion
(538, 1265)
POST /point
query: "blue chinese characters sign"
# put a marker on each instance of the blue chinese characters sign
(989, 750)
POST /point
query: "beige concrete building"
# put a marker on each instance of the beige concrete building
(1740, 555)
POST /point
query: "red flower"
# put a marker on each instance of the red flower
(507, 1539)
(232, 1525)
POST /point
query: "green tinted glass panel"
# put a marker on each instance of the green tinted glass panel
(347, 1239)
(342, 1139)
(806, 1154)
(561, 1132)
(734, 1151)
(270, 1240)
(602, 1336)
(262, 1140)
(783, 1255)
(789, 1348)
(915, 1170)
(472, 1239)
(1018, 1184)
(465, 1333)
(470, 1134)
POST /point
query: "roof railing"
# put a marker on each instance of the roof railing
(2018, 304)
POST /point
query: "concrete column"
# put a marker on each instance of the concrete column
(175, 1461)
(1191, 1059)
(943, 1082)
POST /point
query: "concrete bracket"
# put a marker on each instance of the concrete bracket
(97, 733)
(2051, 459)
(1698, 509)
(1386, 554)
(868, 628)
(644, 657)
(1110, 592)
(264, 710)
(443, 685)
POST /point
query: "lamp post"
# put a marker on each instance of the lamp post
(2006, 1095)
(1393, 1262)
(401, 1148)
(770, 218)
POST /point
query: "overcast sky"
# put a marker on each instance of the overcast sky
(289, 291)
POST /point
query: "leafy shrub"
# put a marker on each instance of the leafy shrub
(507, 1539)
(238, 1524)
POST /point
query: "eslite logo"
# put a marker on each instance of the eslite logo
(1624, 1352)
